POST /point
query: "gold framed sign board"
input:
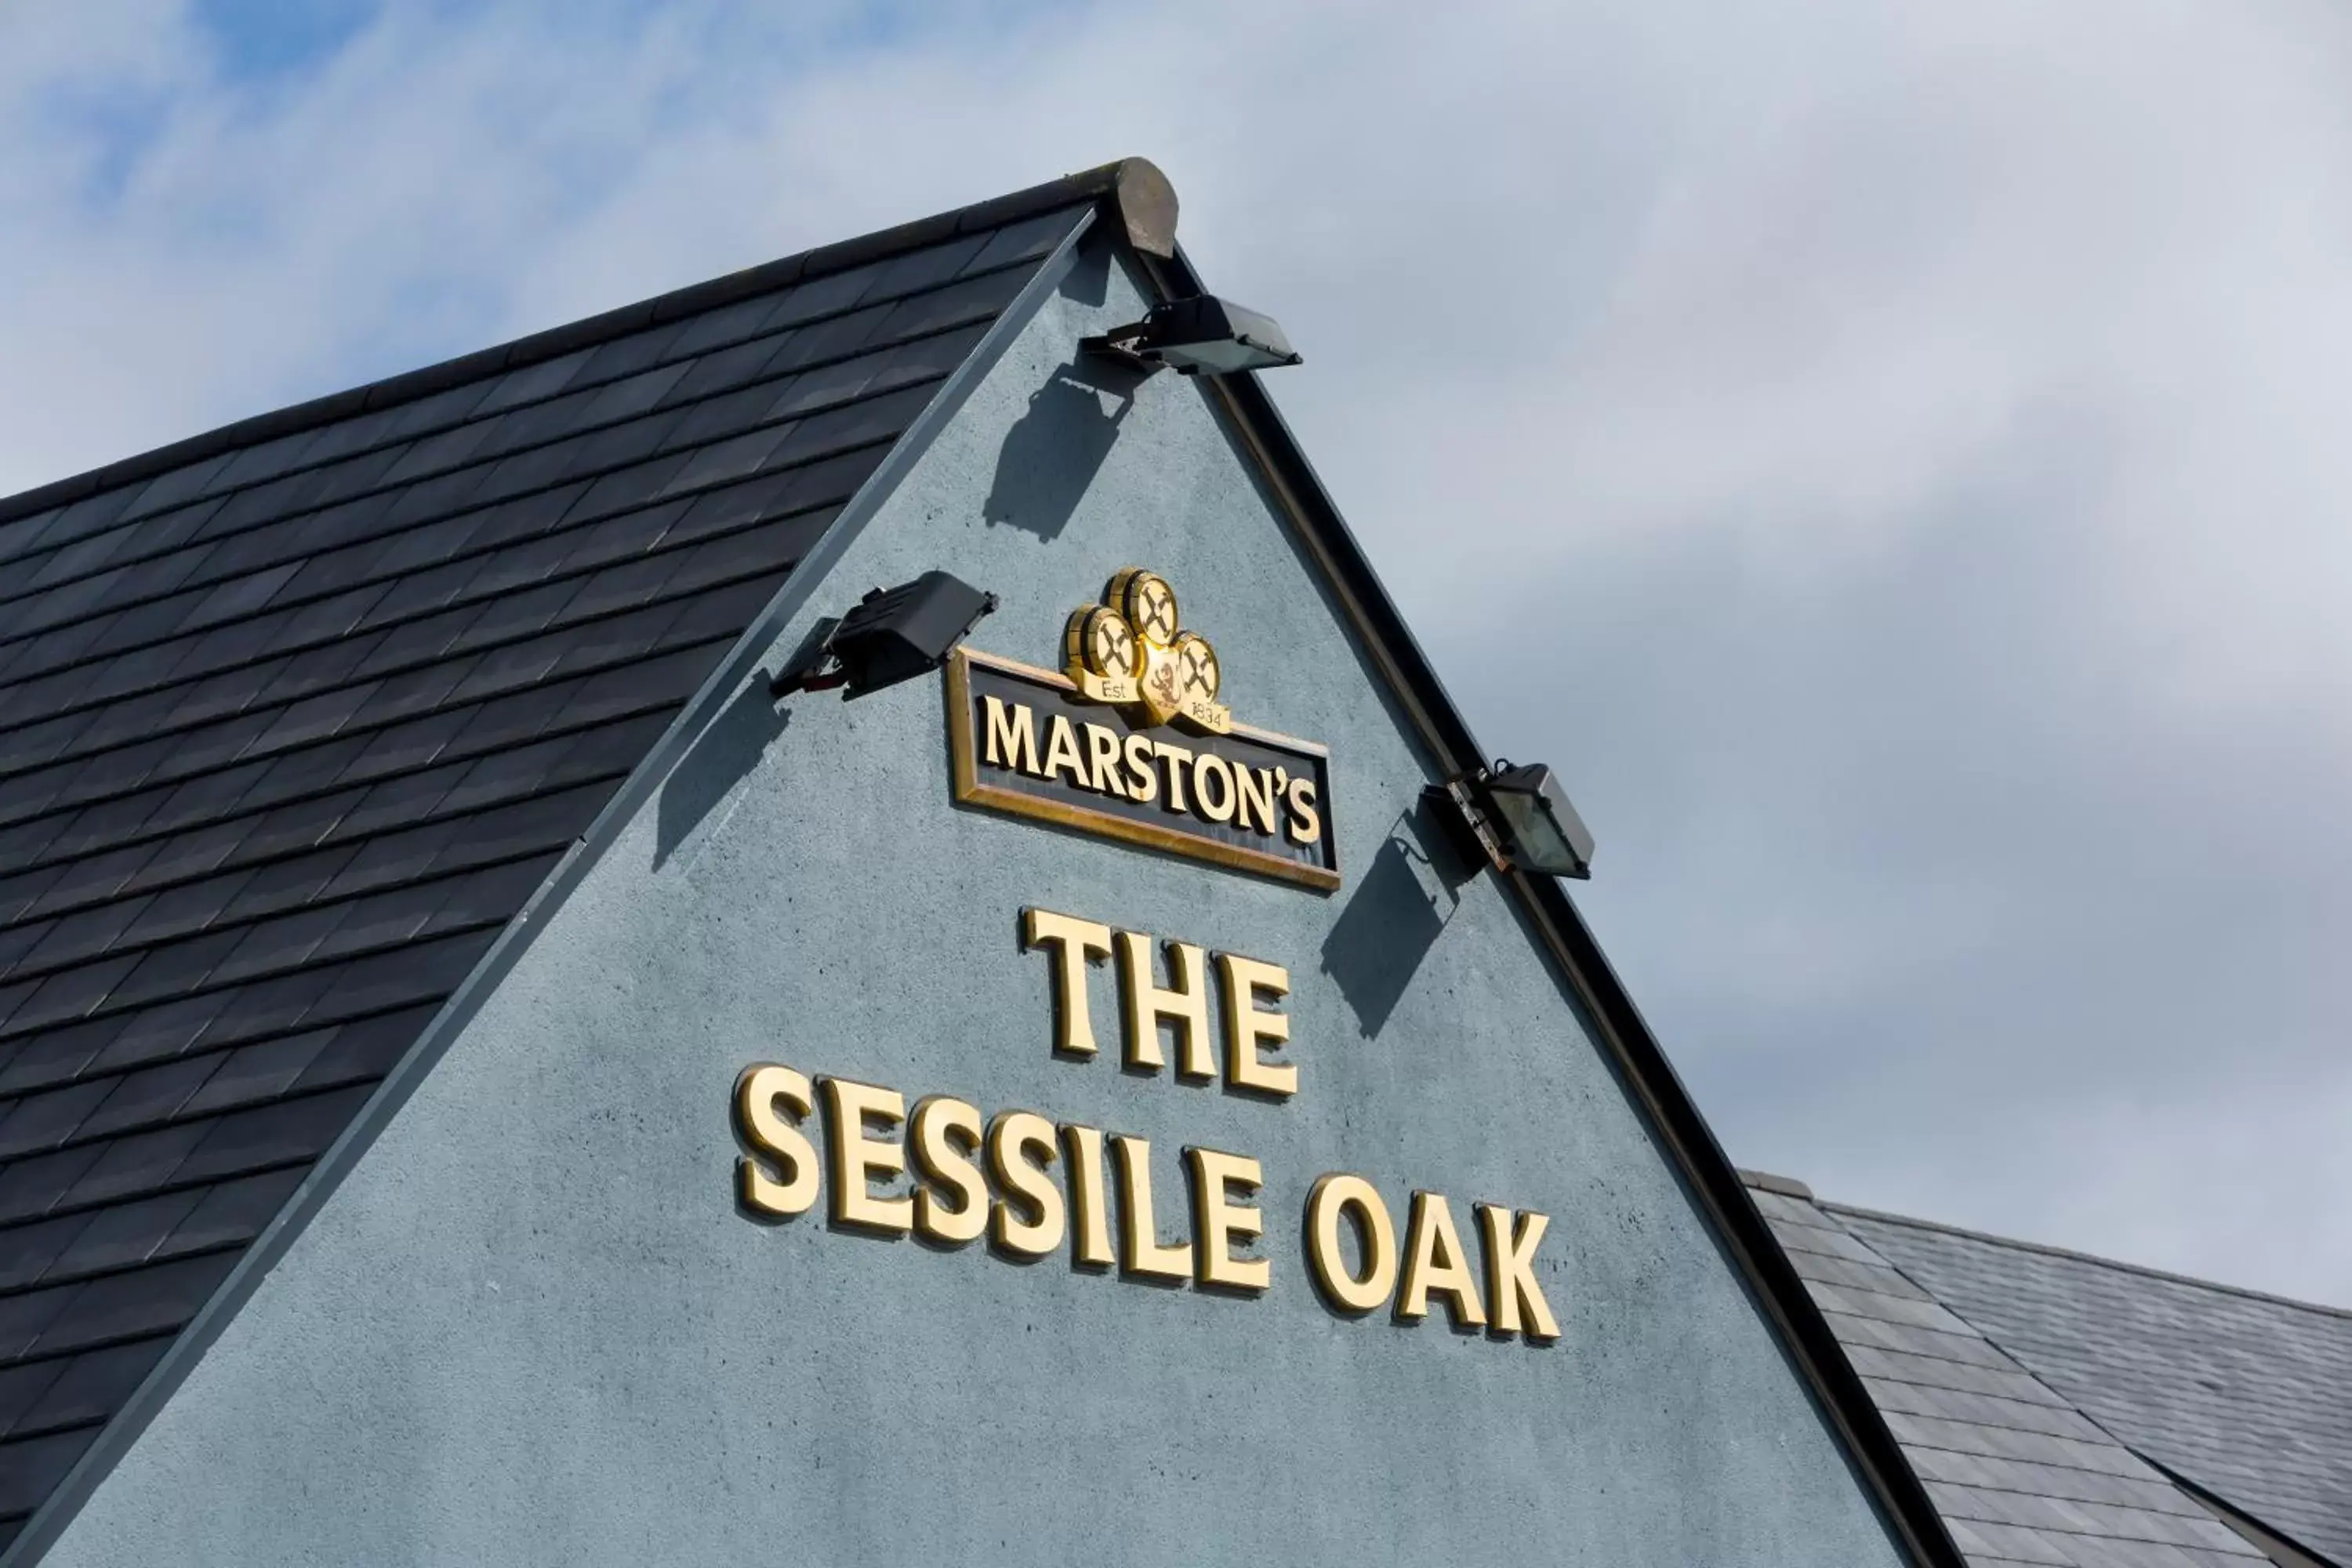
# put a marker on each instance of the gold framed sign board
(1031, 743)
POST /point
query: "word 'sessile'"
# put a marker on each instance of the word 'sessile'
(994, 1177)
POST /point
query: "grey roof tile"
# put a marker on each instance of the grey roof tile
(2041, 1415)
(1935, 1372)
(2247, 1396)
(2018, 1472)
(288, 732)
(1875, 1277)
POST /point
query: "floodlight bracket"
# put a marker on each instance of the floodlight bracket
(1200, 336)
(1454, 804)
(890, 635)
(1122, 347)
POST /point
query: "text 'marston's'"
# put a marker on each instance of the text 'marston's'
(1128, 740)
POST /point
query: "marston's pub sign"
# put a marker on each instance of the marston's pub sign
(1091, 749)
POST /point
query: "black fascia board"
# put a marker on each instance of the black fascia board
(1633, 1051)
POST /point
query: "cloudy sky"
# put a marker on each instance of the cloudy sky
(1889, 458)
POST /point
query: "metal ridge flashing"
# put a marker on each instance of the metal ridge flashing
(1787, 1187)
(51, 1520)
(1132, 188)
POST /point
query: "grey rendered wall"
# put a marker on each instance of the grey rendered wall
(532, 1326)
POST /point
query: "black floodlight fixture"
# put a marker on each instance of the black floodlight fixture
(1540, 829)
(1201, 336)
(890, 635)
(1516, 819)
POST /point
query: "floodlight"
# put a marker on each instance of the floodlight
(1540, 829)
(1516, 819)
(1201, 336)
(890, 635)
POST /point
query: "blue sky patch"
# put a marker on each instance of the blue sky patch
(263, 39)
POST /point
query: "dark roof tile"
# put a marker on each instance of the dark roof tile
(247, 1074)
(149, 1095)
(177, 485)
(21, 1387)
(31, 1467)
(249, 1012)
(142, 1301)
(32, 1187)
(25, 1317)
(132, 1167)
(155, 1034)
(47, 1118)
(91, 1386)
(365, 1050)
(124, 1235)
(272, 1134)
(29, 1251)
(234, 1212)
(531, 383)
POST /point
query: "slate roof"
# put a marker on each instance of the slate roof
(2245, 1396)
(2018, 1439)
(295, 717)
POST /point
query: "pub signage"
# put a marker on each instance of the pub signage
(1032, 1186)
(1131, 740)
(1128, 740)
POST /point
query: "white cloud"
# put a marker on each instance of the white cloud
(1886, 457)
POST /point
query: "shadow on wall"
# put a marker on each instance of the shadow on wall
(721, 756)
(1400, 904)
(1058, 445)
(1055, 449)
